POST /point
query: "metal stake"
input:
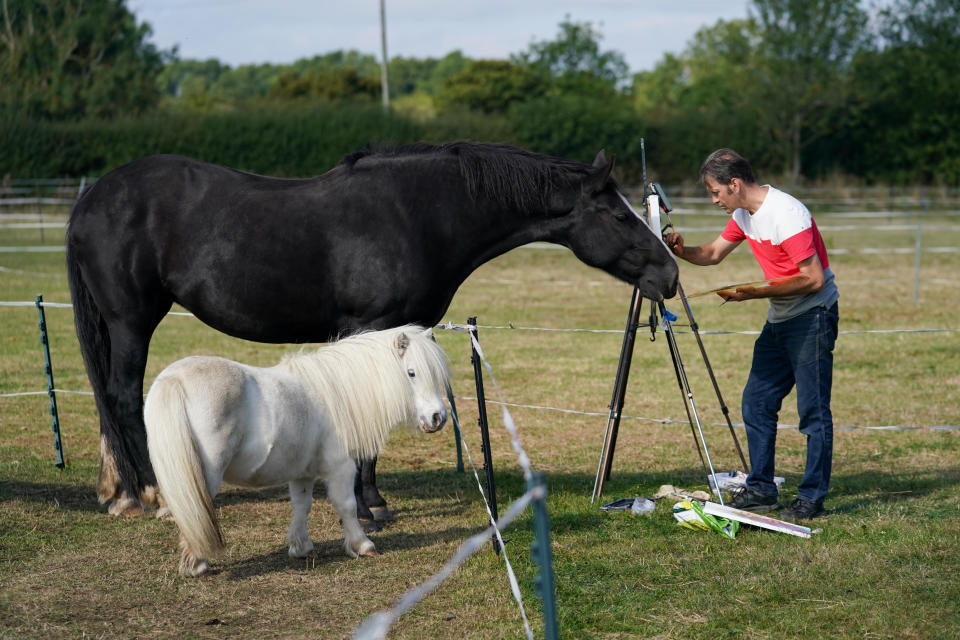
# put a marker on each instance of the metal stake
(484, 428)
(48, 369)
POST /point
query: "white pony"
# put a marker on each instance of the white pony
(211, 420)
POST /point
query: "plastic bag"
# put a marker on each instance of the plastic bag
(690, 514)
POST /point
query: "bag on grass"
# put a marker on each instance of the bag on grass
(690, 514)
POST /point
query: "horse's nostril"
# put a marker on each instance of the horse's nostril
(438, 420)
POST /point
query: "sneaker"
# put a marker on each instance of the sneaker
(802, 510)
(750, 500)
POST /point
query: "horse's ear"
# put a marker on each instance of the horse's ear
(598, 180)
(428, 334)
(401, 343)
(601, 159)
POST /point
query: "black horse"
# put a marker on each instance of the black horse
(382, 239)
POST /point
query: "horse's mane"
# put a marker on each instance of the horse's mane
(511, 176)
(361, 383)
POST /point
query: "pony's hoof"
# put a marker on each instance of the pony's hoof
(381, 513)
(368, 525)
(163, 513)
(194, 570)
(300, 549)
(371, 553)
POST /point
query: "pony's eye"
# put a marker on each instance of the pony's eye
(411, 373)
(621, 216)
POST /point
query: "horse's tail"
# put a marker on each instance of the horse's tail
(178, 467)
(115, 463)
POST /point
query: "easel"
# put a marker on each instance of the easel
(656, 201)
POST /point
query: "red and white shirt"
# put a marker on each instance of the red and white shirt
(782, 233)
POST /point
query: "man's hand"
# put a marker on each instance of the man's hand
(674, 242)
(739, 294)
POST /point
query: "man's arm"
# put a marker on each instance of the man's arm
(703, 255)
(809, 280)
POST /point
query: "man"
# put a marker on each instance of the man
(796, 344)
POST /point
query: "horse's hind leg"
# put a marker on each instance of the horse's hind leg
(125, 460)
(301, 498)
(339, 476)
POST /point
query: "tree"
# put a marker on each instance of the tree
(67, 59)
(574, 58)
(704, 98)
(801, 71)
(907, 121)
(343, 83)
(489, 86)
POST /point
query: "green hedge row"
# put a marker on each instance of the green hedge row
(301, 142)
(307, 141)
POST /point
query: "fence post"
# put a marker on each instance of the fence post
(484, 428)
(543, 557)
(457, 434)
(48, 369)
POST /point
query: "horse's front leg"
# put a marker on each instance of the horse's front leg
(301, 499)
(371, 495)
(339, 476)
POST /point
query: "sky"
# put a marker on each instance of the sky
(238, 32)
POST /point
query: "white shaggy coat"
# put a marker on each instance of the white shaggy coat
(211, 420)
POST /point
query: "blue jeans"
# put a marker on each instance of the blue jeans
(798, 351)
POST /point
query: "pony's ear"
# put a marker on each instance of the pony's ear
(401, 343)
(428, 334)
(601, 159)
(598, 180)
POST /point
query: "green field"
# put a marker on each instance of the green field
(884, 566)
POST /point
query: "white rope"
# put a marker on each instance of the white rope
(37, 274)
(376, 626)
(462, 327)
(43, 393)
(942, 427)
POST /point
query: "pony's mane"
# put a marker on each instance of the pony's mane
(363, 386)
(511, 176)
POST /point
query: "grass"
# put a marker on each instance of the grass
(884, 566)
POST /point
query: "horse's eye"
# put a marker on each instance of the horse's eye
(411, 373)
(621, 216)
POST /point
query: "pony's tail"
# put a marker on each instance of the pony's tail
(179, 469)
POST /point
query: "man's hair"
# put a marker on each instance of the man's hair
(723, 165)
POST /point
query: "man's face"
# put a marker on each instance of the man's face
(726, 196)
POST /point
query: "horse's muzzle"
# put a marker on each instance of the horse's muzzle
(435, 423)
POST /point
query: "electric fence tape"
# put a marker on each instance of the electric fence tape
(375, 627)
(379, 623)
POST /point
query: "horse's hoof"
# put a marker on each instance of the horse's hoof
(125, 507)
(163, 513)
(381, 513)
(370, 553)
(150, 497)
(368, 525)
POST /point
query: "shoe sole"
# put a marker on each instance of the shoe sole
(763, 508)
(794, 518)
